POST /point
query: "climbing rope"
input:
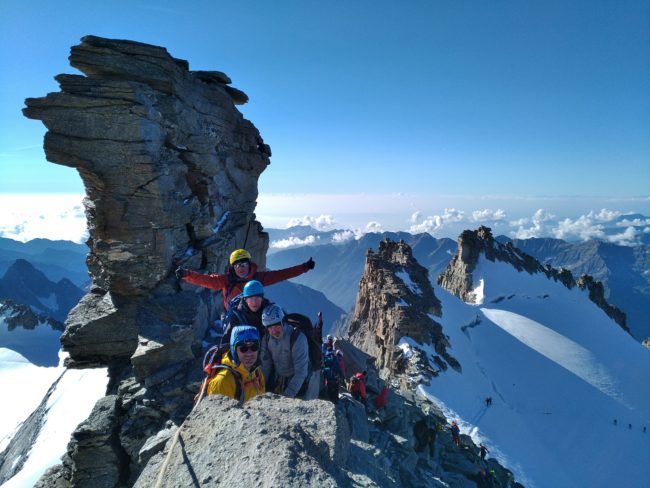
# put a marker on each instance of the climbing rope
(165, 463)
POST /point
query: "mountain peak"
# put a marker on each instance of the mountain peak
(22, 274)
(396, 299)
(458, 277)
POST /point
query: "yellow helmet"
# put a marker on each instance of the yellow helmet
(238, 255)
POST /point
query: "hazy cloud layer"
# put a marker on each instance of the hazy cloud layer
(322, 222)
(25, 217)
(294, 242)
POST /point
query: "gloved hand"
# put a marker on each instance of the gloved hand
(181, 272)
(309, 264)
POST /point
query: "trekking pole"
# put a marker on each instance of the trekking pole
(163, 468)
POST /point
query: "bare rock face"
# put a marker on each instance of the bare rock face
(395, 299)
(597, 295)
(170, 169)
(457, 278)
(272, 441)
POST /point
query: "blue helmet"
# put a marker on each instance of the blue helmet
(253, 289)
(239, 334)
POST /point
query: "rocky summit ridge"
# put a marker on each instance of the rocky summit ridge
(396, 299)
(457, 277)
(170, 170)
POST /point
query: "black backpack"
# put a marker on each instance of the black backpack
(314, 334)
(230, 319)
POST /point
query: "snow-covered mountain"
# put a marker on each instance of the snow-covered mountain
(43, 401)
(569, 387)
(24, 284)
(623, 270)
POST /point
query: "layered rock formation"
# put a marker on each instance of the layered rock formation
(170, 169)
(396, 299)
(457, 278)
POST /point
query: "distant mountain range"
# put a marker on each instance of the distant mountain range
(340, 266)
(28, 286)
(624, 271)
(56, 259)
(293, 297)
(339, 255)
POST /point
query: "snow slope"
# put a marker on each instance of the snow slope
(559, 372)
(25, 385)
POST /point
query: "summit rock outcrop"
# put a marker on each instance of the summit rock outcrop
(395, 299)
(170, 170)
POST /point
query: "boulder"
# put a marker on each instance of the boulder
(271, 441)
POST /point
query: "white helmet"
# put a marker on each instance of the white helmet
(271, 315)
(330, 338)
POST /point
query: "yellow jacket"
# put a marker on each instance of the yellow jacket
(224, 382)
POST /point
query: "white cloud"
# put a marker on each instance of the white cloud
(415, 217)
(434, 223)
(583, 228)
(294, 242)
(604, 215)
(430, 225)
(322, 222)
(634, 222)
(344, 236)
(453, 215)
(626, 238)
(373, 227)
(537, 226)
(488, 215)
(58, 216)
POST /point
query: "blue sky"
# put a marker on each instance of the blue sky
(458, 101)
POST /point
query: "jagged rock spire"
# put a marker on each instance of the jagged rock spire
(170, 169)
(457, 277)
(395, 299)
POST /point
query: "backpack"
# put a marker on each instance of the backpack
(231, 318)
(352, 384)
(314, 334)
(330, 367)
(212, 364)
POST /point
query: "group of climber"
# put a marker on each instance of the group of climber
(258, 351)
(334, 374)
(262, 349)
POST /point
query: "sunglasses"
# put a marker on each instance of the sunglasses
(240, 264)
(252, 346)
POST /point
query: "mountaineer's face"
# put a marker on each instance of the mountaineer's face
(241, 268)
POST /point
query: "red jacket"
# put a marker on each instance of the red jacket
(231, 285)
(382, 399)
(358, 386)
